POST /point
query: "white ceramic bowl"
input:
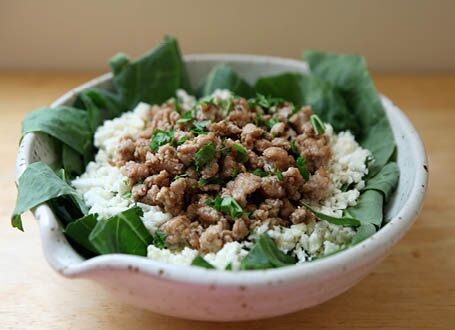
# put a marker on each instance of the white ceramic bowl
(197, 293)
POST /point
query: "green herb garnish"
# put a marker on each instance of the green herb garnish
(200, 127)
(265, 102)
(201, 262)
(226, 205)
(214, 180)
(159, 239)
(241, 153)
(161, 138)
(294, 151)
(272, 121)
(318, 125)
(301, 165)
(186, 117)
(260, 172)
(182, 140)
(205, 155)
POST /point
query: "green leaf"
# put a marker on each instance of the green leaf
(66, 124)
(201, 262)
(200, 127)
(159, 239)
(213, 180)
(72, 161)
(153, 78)
(326, 101)
(122, 233)
(259, 172)
(80, 229)
(240, 152)
(272, 121)
(186, 117)
(160, 138)
(226, 205)
(301, 165)
(223, 77)
(39, 184)
(368, 208)
(350, 75)
(318, 125)
(265, 254)
(343, 221)
(363, 232)
(385, 181)
(265, 102)
(205, 155)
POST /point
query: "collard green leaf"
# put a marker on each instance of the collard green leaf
(363, 232)
(106, 101)
(80, 229)
(122, 233)
(223, 77)
(350, 75)
(201, 262)
(39, 184)
(368, 208)
(72, 161)
(265, 254)
(325, 100)
(385, 181)
(66, 124)
(153, 78)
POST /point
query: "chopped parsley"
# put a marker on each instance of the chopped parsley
(186, 117)
(294, 151)
(226, 205)
(260, 172)
(204, 156)
(265, 102)
(301, 165)
(241, 153)
(213, 180)
(200, 127)
(272, 121)
(159, 239)
(161, 138)
(182, 140)
(201, 262)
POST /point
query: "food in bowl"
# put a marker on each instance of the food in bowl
(232, 176)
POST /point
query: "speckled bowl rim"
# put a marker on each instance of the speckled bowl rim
(357, 256)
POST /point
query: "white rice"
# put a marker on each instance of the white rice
(104, 189)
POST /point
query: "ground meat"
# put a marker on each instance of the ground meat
(278, 157)
(250, 133)
(300, 215)
(271, 187)
(317, 188)
(242, 186)
(251, 162)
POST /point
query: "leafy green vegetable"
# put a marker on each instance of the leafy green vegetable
(153, 78)
(72, 161)
(326, 101)
(186, 117)
(201, 262)
(265, 102)
(213, 180)
(385, 181)
(259, 172)
(343, 221)
(159, 239)
(160, 138)
(226, 205)
(301, 165)
(318, 125)
(350, 75)
(204, 155)
(265, 254)
(107, 102)
(241, 153)
(368, 208)
(272, 121)
(80, 229)
(122, 233)
(223, 77)
(39, 184)
(363, 232)
(201, 127)
(66, 124)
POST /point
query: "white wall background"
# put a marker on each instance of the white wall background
(394, 35)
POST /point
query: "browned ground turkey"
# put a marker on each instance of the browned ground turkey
(252, 160)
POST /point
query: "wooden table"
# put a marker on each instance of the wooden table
(412, 289)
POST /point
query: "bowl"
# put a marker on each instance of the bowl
(201, 294)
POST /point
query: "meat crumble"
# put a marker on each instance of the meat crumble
(225, 167)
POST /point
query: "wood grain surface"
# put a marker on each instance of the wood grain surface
(412, 289)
